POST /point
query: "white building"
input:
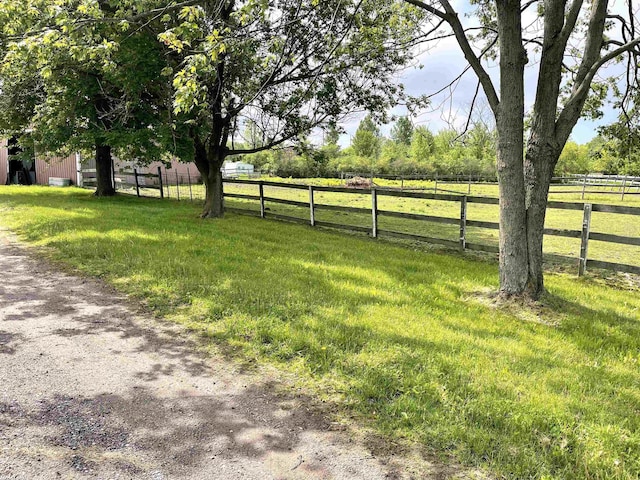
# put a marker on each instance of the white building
(234, 169)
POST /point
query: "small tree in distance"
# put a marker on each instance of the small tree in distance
(367, 141)
(402, 131)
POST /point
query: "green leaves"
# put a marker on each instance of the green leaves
(289, 66)
(82, 72)
(367, 141)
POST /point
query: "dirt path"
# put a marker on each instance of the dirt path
(91, 389)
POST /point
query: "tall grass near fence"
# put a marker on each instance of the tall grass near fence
(406, 342)
(599, 235)
(467, 222)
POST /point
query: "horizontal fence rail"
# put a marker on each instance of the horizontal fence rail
(587, 184)
(584, 234)
(164, 184)
(152, 182)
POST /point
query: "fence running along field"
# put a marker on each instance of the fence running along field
(173, 184)
(621, 185)
(164, 184)
(463, 222)
(159, 183)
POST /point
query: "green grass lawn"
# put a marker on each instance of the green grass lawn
(405, 340)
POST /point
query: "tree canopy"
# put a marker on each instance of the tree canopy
(286, 67)
(78, 82)
(366, 141)
(402, 131)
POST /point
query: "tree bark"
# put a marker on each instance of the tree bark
(524, 184)
(209, 163)
(214, 199)
(540, 162)
(510, 126)
(104, 172)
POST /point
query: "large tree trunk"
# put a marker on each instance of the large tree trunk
(209, 163)
(104, 172)
(510, 126)
(214, 199)
(540, 162)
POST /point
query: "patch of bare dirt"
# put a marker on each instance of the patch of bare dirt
(93, 388)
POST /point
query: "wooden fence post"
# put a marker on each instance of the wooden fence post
(584, 184)
(113, 174)
(435, 187)
(374, 213)
(135, 175)
(312, 207)
(177, 185)
(189, 179)
(261, 189)
(161, 186)
(584, 243)
(463, 223)
(624, 186)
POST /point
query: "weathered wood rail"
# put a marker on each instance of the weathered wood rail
(584, 234)
(588, 184)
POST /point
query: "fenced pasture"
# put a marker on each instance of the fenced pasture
(578, 230)
(406, 341)
(614, 186)
(590, 235)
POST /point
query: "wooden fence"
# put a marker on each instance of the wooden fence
(622, 185)
(585, 234)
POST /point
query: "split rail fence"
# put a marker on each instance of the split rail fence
(160, 183)
(462, 221)
(587, 184)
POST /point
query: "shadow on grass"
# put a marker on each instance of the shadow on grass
(392, 331)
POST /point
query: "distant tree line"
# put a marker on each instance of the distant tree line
(416, 150)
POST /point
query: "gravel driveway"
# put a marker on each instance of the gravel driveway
(92, 389)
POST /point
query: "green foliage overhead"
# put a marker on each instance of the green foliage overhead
(77, 76)
(286, 66)
(331, 134)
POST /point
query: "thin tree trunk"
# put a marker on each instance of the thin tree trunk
(510, 126)
(104, 177)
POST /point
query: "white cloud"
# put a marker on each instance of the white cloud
(443, 62)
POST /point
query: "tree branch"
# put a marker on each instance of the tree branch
(570, 22)
(487, 85)
(428, 8)
(588, 68)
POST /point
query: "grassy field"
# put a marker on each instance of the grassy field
(407, 341)
(624, 225)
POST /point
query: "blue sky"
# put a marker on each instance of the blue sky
(441, 64)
